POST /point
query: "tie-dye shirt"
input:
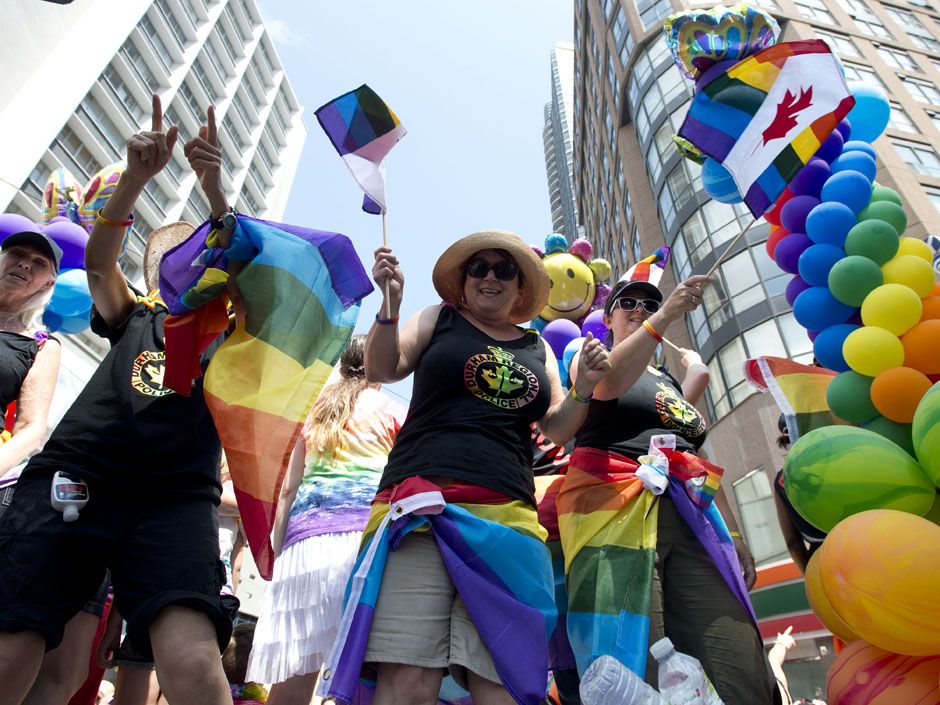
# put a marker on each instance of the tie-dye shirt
(335, 494)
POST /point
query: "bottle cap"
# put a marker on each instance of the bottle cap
(662, 648)
(70, 513)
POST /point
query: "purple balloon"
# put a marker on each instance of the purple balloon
(845, 129)
(856, 317)
(72, 239)
(831, 147)
(811, 334)
(789, 249)
(594, 324)
(15, 223)
(810, 180)
(559, 333)
(794, 212)
(796, 287)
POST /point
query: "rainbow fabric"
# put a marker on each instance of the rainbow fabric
(799, 390)
(363, 129)
(767, 115)
(494, 552)
(608, 526)
(643, 270)
(301, 290)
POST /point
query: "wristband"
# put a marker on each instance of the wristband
(578, 398)
(386, 321)
(116, 223)
(652, 331)
(735, 534)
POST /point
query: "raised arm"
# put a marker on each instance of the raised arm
(147, 155)
(205, 158)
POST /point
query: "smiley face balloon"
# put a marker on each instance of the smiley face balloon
(575, 278)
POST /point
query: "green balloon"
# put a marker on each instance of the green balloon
(926, 433)
(883, 193)
(849, 397)
(836, 471)
(852, 278)
(875, 239)
(897, 433)
(888, 211)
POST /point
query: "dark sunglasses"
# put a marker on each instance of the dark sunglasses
(628, 303)
(504, 270)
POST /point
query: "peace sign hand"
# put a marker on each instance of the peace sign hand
(148, 152)
(205, 158)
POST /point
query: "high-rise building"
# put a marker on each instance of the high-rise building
(77, 82)
(636, 193)
(557, 140)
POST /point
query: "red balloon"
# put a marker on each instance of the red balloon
(777, 233)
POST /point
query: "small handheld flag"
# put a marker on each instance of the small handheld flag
(363, 129)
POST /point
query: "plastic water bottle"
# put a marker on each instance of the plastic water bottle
(682, 680)
(609, 682)
(69, 495)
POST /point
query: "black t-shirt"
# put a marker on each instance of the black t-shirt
(127, 429)
(17, 355)
(652, 406)
(473, 402)
(548, 458)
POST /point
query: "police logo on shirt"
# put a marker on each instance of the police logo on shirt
(677, 414)
(147, 374)
(495, 377)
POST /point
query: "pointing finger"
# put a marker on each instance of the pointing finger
(211, 134)
(156, 117)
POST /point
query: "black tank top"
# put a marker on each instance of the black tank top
(473, 401)
(654, 405)
(17, 354)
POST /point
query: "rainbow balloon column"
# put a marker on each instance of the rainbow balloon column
(576, 298)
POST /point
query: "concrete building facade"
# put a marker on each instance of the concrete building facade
(557, 138)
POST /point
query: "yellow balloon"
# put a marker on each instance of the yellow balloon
(870, 350)
(915, 246)
(894, 307)
(880, 573)
(910, 270)
(817, 600)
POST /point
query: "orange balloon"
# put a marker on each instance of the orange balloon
(921, 345)
(820, 604)
(897, 391)
(931, 308)
(936, 290)
(863, 674)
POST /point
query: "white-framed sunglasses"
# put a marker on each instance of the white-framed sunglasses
(628, 303)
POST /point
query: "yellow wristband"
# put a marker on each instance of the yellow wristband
(735, 534)
(578, 398)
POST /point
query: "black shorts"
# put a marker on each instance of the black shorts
(160, 550)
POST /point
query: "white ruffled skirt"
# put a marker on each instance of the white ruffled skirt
(302, 607)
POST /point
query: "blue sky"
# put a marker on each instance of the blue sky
(469, 82)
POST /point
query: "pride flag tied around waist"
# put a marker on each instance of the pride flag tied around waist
(764, 117)
(493, 550)
(799, 390)
(300, 289)
(363, 129)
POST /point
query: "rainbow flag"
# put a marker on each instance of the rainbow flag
(799, 390)
(493, 549)
(363, 129)
(768, 114)
(301, 290)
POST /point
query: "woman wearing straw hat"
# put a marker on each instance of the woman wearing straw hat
(677, 569)
(480, 381)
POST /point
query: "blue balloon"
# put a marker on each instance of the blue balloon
(718, 182)
(859, 146)
(829, 223)
(562, 372)
(845, 129)
(870, 115)
(849, 187)
(856, 161)
(817, 309)
(71, 294)
(77, 323)
(538, 323)
(816, 261)
(827, 348)
(52, 320)
(572, 347)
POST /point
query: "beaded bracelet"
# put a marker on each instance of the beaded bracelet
(386, 321)
(652, 331)
(578, 398)
(116, 223)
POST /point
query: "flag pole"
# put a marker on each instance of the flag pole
(724, 255)
(388, 304)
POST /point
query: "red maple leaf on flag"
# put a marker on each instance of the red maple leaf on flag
(787, 110)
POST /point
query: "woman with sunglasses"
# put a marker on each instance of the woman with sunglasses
(647, 552)
(480, 381)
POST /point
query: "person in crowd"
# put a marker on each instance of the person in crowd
(333, 476)
(678, 569)
(235, 664)
(146, 457)
(480, 381)
(776, 656)
(231, 535)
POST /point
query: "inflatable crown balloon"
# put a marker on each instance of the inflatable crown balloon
(576, 287)
(61, 196)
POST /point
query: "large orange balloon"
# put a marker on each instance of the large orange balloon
(921, 345)
(931, 308)
(879, 571)
(896, 392)
(817, 600)
(863, 674)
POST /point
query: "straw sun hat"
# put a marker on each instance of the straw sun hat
(161, 240)
(448, 275)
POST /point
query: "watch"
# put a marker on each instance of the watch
(226, 221)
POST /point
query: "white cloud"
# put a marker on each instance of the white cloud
(284, 35)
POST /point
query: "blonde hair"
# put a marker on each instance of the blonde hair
(333, 408)
(31, 310)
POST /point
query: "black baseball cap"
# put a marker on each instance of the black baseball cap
(40, 241)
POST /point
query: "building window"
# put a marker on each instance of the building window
(156, 42)
(913, 28)
(98, 120)
(920, 157)
(623, 40)
(634, 246)
(172, 22)
(123, 96)
(799, 346)
(652, 11)
(814, 10)
(140, 66)
(658, 96)
(612, 78)
(839, 43)
(855, 72)
(898, 59)
(866, 20)
(35, 183)
(207, 85)
(921, 91)
(933, 193)
(754, 496)
(72, 152)
(900, 120)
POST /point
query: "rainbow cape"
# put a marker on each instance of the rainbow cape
(301, 290)
(608, 525)
(799, 390)
(495, 555)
